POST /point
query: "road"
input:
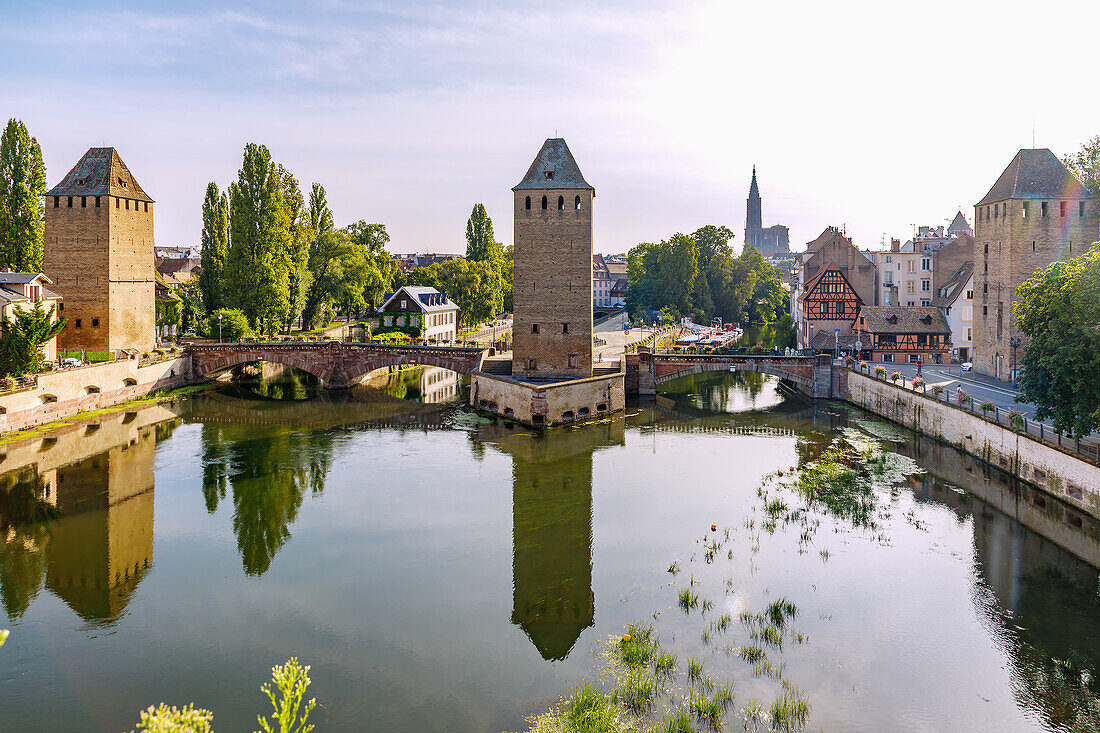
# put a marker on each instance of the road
(981, 389)
(612, 332)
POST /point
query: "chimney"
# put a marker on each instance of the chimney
(895, 245)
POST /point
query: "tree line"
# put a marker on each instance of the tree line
(698, 275)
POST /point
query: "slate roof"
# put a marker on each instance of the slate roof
(954, 287)
(620, 287)
(826, 340)
(909, 319)
(959, 224)
(553, 168)
(428, 298)
(13, 295)
(22, 278)
(100, 172)
(1035, 174)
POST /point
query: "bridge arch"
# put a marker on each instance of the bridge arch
(212, 367)
(760, 366)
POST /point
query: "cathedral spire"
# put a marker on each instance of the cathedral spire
(753, 224)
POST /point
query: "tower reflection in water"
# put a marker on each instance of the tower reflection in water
(552, 598)
(77, 512)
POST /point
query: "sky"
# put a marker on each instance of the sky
(877, 117)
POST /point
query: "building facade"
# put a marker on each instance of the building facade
(99, 254)
(19, 291)
(552, 323)
(1035, 214)
(903, 334)
(956, 300)
(602, 282)
(418, 306)
(827, 303)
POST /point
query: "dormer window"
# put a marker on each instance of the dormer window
(549, 175)
(926, 319)
(80, 181)
(34, 292)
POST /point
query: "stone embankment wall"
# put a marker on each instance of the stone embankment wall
(1059, 473)
(553, 403)
(64, 393)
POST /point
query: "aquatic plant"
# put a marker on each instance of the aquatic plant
(830, 483)
(695, 669)
(780, 611)
(165, 719)
(288, 698)
(635, 691)
(638, 647)
(674, 567)
(689, 599)
(752, 653)
(665, 663)
(680, 722)
(789, 711)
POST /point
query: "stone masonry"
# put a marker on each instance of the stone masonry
(552, 327)
(99, 253)
(1036, 213)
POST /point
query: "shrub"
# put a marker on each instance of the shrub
(964, 398)
(234, 324)
(164, 719)
(918, 383)
(937, 389)
(850, 361)
(1016, 419)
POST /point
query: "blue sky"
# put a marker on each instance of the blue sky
(863, 115)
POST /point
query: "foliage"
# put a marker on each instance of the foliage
(937, 389)
(288, 699)
(1016, 419)
(473, 285)
(698, 275)
(895, 376)
(372, 272)
(1059, 309)
(233, 324)
(880, 371)
(918, 383)
(963, 398)
(1085, 164)
(215, 247)
(22, 338)
(257, 279)
(22, 202)
(987, 407)
(165, 719)
(481, 246)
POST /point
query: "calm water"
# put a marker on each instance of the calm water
(442, 573)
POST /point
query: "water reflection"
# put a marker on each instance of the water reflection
(269, 381)
(552, 597)
(426, 384)
(77, 514)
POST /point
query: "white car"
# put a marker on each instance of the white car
(966, 366)
(70, 362)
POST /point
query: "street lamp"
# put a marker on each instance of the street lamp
(219, 328)
(1014, 342)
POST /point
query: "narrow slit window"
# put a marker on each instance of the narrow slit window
(70, 202)
(544, 203)
(527, 203)
(83, 202)
(565, 328)
(561, 203)
(534, 328)
(577, 203)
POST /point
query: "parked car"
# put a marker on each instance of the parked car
(69, 362)
(966, 366)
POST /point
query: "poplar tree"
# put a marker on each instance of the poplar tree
(481, 245)
(492, 281)
(215, 248)
(257, 277)
(22, 202)
(296, 254)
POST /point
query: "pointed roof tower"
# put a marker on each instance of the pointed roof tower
(100, 172)
(1035, 174)
(754, 190)
(959, 225)
(553, 168)
(753, 217)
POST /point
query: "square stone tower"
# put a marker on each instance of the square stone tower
(1036, 213)
(552, 325)
(99, 253)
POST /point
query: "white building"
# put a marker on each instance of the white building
(417, 306)
(956, 300)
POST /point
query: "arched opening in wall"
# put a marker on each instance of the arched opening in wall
(426, 384)
(538, 420)
(711, 387)
(91, 389)
(268, 380)
(544, 203)
(567, 416)
(577, 203)
(583, 412)
(129, 382)
(48, 399)
(561, 203)
(602, 407)
(527, 203)
(129, 417)
(509, 412)
(3, 411)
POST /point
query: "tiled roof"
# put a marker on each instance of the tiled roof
(428, 298)
(902, 319)
(1035, 174)
(21, 278)
(827, 340)
(553, 168)
(954, 287)
(100, 172)
(620, 286)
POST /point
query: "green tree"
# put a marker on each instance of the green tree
(1085, 164)
(22, 206)
(215, 247)
(481, 244)
(378, 271)
(257, 272)
(297, 246)
(228, 324)
(1059, 309)
(23, 336)
(329, 252)
(473, 285)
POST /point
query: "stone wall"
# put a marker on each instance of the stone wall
(553, 283)
(1008, 249)
(1057, 472)
(64, 393)
(527, 403)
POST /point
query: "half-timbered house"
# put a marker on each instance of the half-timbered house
(827, 302)
(903, 334)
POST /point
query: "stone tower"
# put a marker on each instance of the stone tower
(753, 218)
(99, 253)
(1035, 214)
(552, 325)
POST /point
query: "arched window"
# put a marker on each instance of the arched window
(561, 203)
(527, 203)
(544, 203)
(577, 203)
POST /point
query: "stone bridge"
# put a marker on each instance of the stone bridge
(811, 375)
(338, 364)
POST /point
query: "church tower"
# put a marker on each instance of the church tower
(99, 253)
(552, 324)
(753, 220)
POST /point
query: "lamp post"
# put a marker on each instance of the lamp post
(219, 328)
(1014, 342)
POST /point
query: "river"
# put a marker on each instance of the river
(441, 572)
